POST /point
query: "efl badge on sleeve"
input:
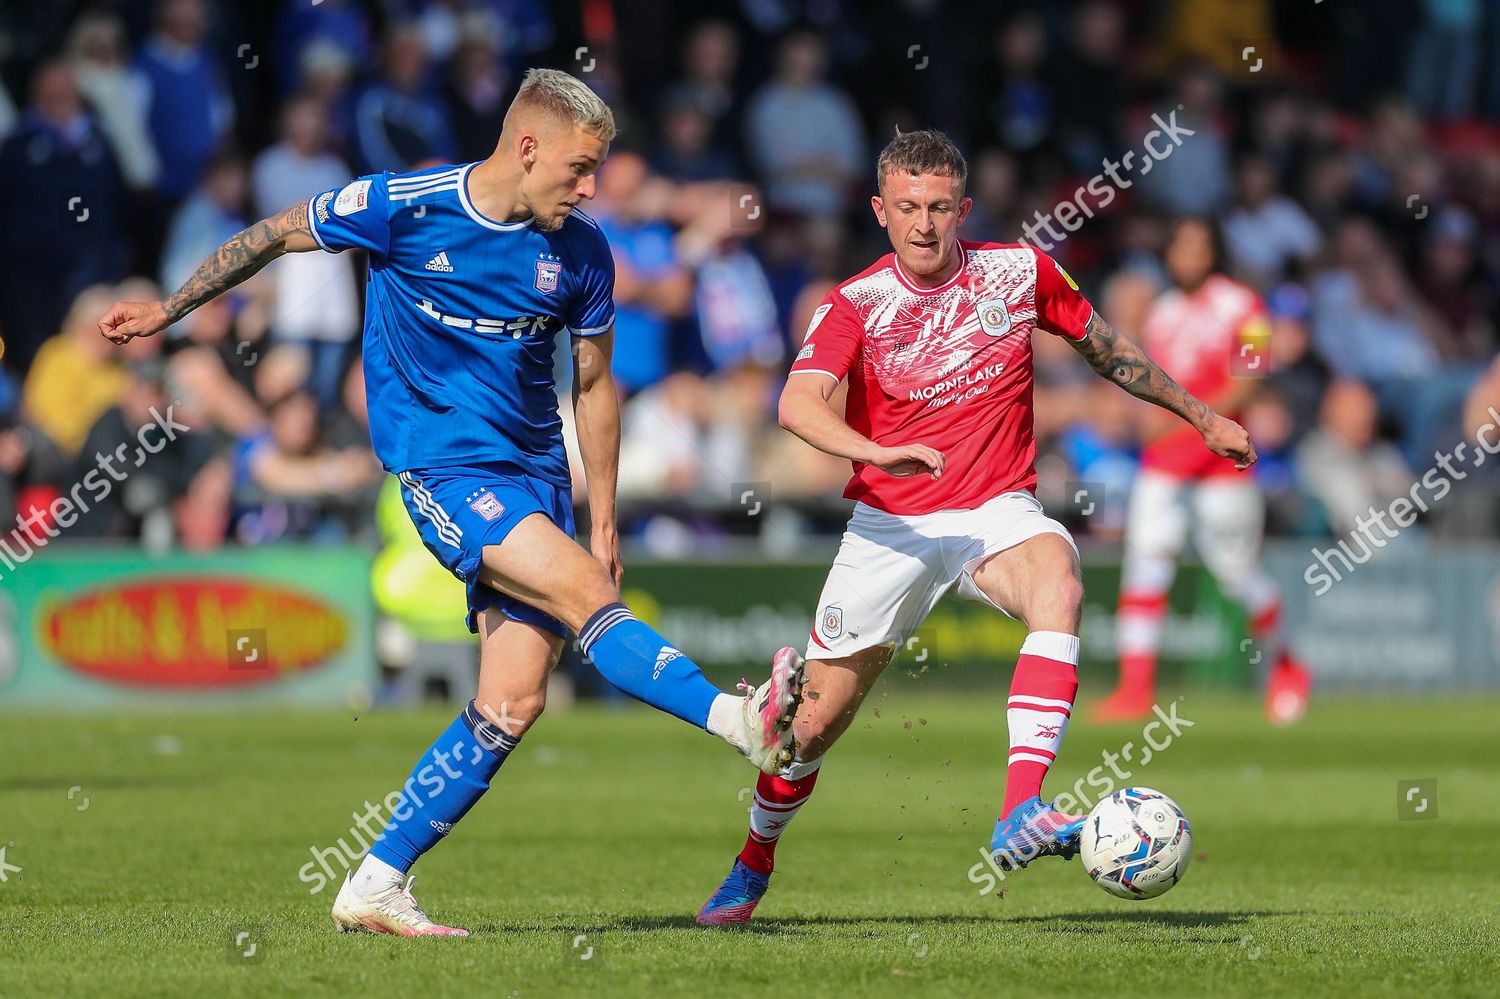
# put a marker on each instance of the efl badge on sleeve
(547, 272)
(1065, 275)
(994, 317)
(355, 197)
(817, 317)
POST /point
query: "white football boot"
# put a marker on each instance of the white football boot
(766, 715)
(391, 910)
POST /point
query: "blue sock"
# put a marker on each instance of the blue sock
(633, 657)
(446, 782)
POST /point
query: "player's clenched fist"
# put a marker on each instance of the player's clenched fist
(1228, 439)
(908, 460)
(125, 320)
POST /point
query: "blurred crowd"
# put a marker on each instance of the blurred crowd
(1351, 157)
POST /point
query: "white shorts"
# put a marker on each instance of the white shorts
(1227, 518)
(891, 570)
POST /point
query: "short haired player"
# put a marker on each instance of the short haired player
(474, 271)
(1204, 328)
(935, 341)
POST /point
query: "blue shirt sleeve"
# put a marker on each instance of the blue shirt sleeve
(355, 216)
(592, 310)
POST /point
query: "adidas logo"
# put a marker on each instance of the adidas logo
(666, 655)
(440, 263)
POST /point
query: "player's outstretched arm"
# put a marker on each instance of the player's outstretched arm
(245, 253)
(1120, 359)
(596, 410)
(804, 410)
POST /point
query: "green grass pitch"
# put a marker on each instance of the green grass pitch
(147, 844)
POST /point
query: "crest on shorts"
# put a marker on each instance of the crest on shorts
(488, 507)
(831, 624)
(994, 317)
(547, 272)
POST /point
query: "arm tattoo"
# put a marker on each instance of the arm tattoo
(245, 253)
(1121, 360)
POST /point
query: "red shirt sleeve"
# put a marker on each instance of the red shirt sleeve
(832, 340)
(1060, 306)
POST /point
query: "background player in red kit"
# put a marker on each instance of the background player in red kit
(935, 340)
(1212, 334)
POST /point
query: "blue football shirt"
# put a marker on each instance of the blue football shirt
(461, 317)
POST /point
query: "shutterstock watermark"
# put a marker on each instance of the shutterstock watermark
(330, 864)
(1102, 189)
(1434, 484)
(1158, 734)
(100, 481)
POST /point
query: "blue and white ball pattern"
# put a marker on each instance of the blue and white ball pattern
(1136, 843)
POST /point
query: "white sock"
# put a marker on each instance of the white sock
(375, 875)
(726, 720)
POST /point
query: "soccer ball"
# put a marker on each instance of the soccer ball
(1136, 843)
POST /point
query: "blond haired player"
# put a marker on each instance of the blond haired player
(475, 270)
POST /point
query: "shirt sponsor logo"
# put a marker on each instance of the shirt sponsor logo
(805, 353)
(994, 317)
(488, 507)
(957, 381)
(320, 207)
(353, 198)
(515, 328)
(547, 272)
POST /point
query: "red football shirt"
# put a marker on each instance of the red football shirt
(949, 367)
(1195, 338)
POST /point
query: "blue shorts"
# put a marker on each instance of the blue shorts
(461, 509)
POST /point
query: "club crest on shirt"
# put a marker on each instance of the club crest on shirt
(831, 624)
(547, 273)
(994, 317)
(488, 507)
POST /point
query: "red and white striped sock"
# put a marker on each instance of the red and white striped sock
(1138, 627)
(1041, 702)
(1262, 603)
(777, 800)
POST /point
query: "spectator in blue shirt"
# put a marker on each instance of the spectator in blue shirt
(214, 212)
(190, 109)
(60, 199)
(652, 289)
(399, 122)
(342, 25)
(687, 152)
